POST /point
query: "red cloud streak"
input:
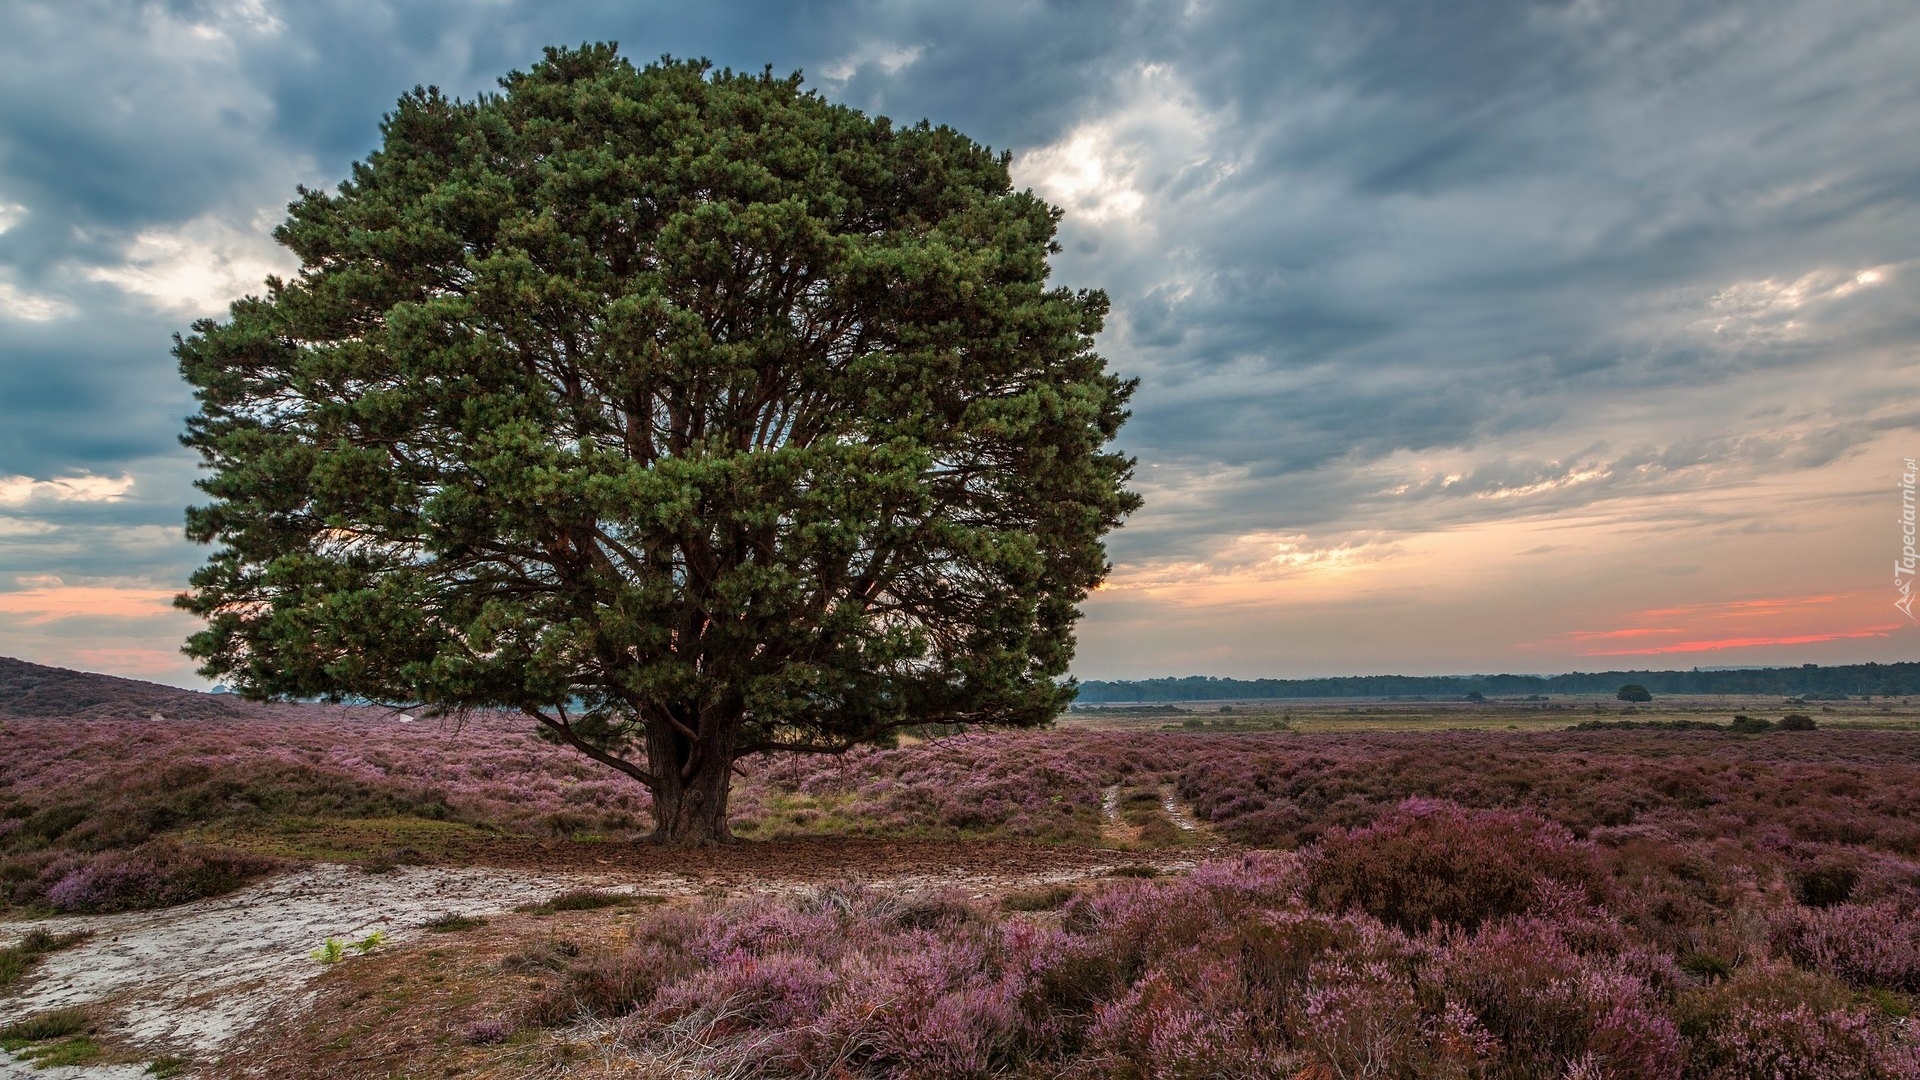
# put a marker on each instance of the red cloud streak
(1745, 642)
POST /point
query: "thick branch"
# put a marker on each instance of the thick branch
(860, 738)
(565, 731)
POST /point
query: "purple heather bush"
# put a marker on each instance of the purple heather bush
(1868, 945)
(1037, 785)
(1773, 1020)
(1431, 862)
(1279, 965)
(158, 873)
(1498, 906)
(73, 793)
(488, 1031)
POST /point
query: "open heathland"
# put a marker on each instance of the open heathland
(1324, 893)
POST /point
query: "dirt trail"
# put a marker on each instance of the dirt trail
(1179, 814)
(192, 980)
(1113, 828)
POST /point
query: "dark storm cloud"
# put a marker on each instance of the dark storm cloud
(87, 393)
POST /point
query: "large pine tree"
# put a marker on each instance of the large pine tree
(684, 411)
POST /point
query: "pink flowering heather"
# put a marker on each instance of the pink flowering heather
(1868, 945)
(1433, 862)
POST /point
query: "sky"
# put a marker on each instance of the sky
(1471, 338)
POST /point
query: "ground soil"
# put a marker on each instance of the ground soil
(231, 986)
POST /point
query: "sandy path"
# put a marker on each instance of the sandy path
(1113, 829)
(1177, 813)
(188, 979)
(192, 980)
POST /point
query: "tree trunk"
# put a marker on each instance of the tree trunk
(690, 805)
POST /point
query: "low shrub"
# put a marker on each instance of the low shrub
(617, 984)
(158, 873)
(1554, 1008)
(552, 954)
(1868, 945)
(452, 922)
(1439, 863)
(1776, 1022)
(1228, 971)
(488, 1031)
(1826, 884)
(70, 1052)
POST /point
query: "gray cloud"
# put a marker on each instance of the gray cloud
(1354, 250)
(1454, 233)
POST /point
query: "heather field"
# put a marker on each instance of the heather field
(1324, 892)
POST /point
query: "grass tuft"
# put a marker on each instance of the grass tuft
(17, 959)
(586, 900)
(41, 1027)
(1038, 898)
(79, 1050)
(451, 922)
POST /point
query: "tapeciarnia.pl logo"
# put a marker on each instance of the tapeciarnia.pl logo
(1903, 567)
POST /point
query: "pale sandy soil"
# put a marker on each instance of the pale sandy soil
(188, 980)
(192, 981)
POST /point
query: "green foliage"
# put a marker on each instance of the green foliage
(331, 951)
(79, 1050)
(1645, 725)
(683, 409)
(371, 942)
(1633, 692)
(1705, 967)
(1749, 725)
(1797, 722)
(167, 1067)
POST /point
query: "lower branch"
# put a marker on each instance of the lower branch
(843, 745)
(565, 731)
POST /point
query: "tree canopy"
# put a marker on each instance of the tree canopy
(684, 411)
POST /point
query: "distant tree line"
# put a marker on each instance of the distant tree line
(1811, 682)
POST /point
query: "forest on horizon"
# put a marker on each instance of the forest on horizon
(1810, 682)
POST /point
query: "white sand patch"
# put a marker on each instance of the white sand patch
(187, 980)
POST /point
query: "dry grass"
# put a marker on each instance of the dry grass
(408, 1011)
(20, 957)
